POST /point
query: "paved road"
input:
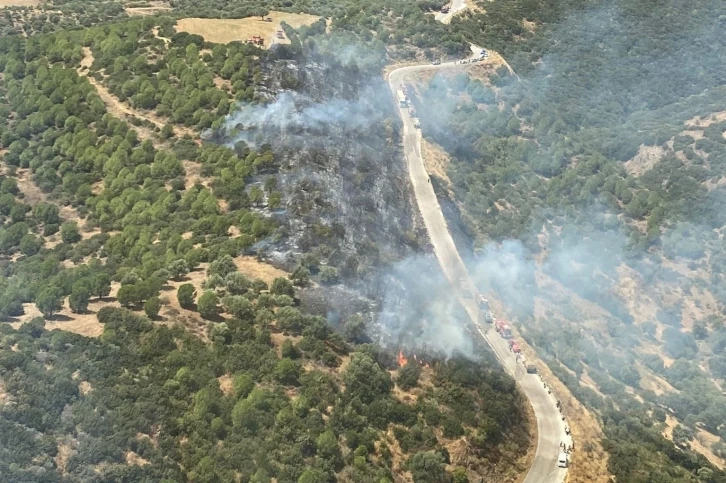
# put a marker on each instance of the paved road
(456, 7)
(550, 427)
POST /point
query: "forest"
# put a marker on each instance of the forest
(557, 157)
(200, 371)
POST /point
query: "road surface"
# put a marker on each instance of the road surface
(456, 7)
(550, 426)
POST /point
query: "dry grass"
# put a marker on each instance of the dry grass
(152, 9)
(703, 442)
(134, 460)
(254, 268)
(645, 159)
(225, 384)
(223, 31)
(436, 161)
(19, 3)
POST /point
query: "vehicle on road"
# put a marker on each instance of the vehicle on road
(531, 369)
(562, 460)
(503, 328)
(402, 100)
(416, 123)
(483, 303)
(436, 62)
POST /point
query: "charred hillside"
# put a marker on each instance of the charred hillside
(335, 137)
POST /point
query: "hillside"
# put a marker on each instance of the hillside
(193, 290)
(591, 184)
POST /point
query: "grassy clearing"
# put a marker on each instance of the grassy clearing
(18, 3)
(223, 31)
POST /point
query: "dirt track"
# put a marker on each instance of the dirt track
(550, 427)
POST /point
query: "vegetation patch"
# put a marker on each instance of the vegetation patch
(223, 31)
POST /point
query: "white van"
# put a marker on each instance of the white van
(562, 460)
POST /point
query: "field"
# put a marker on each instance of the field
(18, 3)
(223, 31)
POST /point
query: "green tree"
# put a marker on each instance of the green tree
(69, 232)
(100, 284)
(408, 376)
(208, 304)
(313, 475)
(256, 195)
(152, 307)
(177, 269)
(300, 276)
(239, 307)
(30, 244)
(78, 299)
(354, 328)
(49, 301)
(242, 385)
(365, 379)
(282, 286)
(288, 372)
(428, 467)
(186, 294)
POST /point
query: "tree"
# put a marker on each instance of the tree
(428, 467)
(354, 328)
(128, 295)
(329, 275)
(30, 244)
(313, 475)
(186, 295)
(78, 300)
(408, 376)
(365, 379)
(49, 301)
(242, 385)
(152, 307)
(256, 195)
(282, 286)
(238, 307)
(177, 269)
(70, 233)
(222, 266)
(290, 320)
(100, 284)
(208, 304)
(236, 283)
(274, 200)
(288, 372)
(301, 276)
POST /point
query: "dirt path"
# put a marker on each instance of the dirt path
(121, 109)
(550, 427)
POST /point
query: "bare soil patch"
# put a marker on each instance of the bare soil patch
(645, 159)
(223, 31)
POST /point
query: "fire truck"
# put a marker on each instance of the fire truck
(503, 328)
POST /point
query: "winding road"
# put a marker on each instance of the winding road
(550, 427)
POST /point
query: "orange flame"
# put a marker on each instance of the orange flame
(402, 361)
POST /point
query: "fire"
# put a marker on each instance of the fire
(402, 361)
